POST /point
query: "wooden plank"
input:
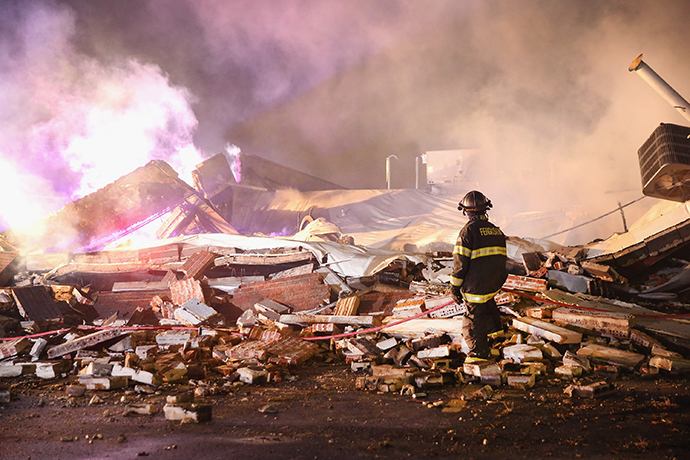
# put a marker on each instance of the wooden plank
(83, 342)
(546, 330)
(347, 306)
(361, 321)
(612, 356)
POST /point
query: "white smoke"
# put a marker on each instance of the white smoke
(72, 123)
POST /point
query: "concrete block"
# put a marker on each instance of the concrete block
(83, 342)
(168, 338)
(188, 412)
(94, 369)
(146, 351)
(568, 371)
(594, 390)
(609, 355)
(480, 369)
(670, 364)
(438, 352)
(103, 383)
(140, 409)
(522, 352)
(253, 374)
(387, 344)
(523, 381)
(8, 369)
(546, 330)
(51, 370)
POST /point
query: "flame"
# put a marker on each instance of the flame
(23, 206)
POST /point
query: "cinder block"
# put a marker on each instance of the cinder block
(188, 412)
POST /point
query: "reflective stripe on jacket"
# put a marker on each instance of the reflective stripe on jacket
(479, 260)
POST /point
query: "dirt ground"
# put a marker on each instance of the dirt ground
(318, 414)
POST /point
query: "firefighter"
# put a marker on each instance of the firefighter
(479, 271)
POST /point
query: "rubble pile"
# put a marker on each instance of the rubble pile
(192, 321)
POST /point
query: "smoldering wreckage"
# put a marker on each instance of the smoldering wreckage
(215, 304)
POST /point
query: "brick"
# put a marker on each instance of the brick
(616, 324)
(183, 290)
(524, 283)
(254, 349)
(13, 347)
(291, 350)
(108, 303)
(197, 264)
(303, 292)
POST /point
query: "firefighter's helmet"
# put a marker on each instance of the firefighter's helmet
(475, 203)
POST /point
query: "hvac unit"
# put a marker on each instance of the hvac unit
(665, 163)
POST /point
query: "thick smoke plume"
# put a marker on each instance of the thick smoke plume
(333, 88)
(72, 123)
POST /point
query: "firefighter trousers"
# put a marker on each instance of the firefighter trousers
(480, 320)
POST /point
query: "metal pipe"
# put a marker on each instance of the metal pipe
(388, 170)
(661, 87)
(416, 173)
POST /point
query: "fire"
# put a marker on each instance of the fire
(24, 204)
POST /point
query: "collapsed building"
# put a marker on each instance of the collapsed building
(258, 268)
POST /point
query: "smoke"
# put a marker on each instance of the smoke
(333, 88)
(72, 123)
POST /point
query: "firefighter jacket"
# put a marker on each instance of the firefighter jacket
(479, 261)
